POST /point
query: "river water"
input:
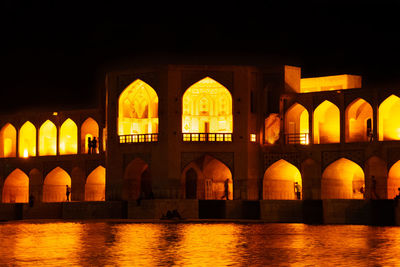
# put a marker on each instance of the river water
(119, 243)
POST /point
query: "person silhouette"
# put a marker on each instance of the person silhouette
(89, 145)
(226, 190)
(94, 145)
(67, 192)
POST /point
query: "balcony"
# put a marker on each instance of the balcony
(297, 138)
(207, 137)
(138, 138)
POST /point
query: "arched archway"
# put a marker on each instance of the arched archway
(297, 125)
(279, 181)
(376, 178)
(16, 188)
(342, 179)
(35, 184)
(389, 125)
(138, 109)
(326, 123)
(358, 121)
(95, 187)
(207, 108)
(27, 140)
(137, 180)
(8, 141)
(54, 185)
(89, 129)
(48, 139)
(68, 138)
(191, 184)
(393, 181)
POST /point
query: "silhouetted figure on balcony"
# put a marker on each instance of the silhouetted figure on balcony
(68, 192)
(94, 145)
(89, 145)
(297, 190)
(226, 190)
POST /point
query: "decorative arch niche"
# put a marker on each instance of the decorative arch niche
(326, 123)
(8, 141)
(48, 139)
(297, 125)
(68, 138)
(89, 129)
(54, 185)
(388, 124)
(358, 116)
(27, 140)
(95, 186)
(16, 188)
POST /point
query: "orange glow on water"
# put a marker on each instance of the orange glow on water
(47, 139)
(138, 109)
(27, 140)
(326, 123)
(389, 125)
(68, 138)
(207, 108)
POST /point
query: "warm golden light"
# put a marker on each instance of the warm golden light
(90, 129)
(326, 123)
(47, 139)
(388, 123)
(96, 185)
(138, 109)
(279, 181)
(8, 137)
(393, 181)
(297, 125)
(207, 108)
(27, 140)
(272, 128)
(329, 83)
(68, 138)
(358, 121)
(342, 179)
(54, 186)
(253, 138)
(16, 188)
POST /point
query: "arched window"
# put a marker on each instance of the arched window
(296, 125)
(54, 185)
(27, 140)
(16, 187)
(89, 129)
(68, 138)
(358, 121)
(8, 136)
(389, 125)
(207, 108)
(138, 110)
(47, 139)
(326, 123)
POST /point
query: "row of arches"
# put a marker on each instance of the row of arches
(358, 121)
(342, 179)
(18, 187)
(206, 108)
(45, 141)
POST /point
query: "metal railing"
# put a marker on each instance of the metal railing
(297, 138)
(138, 138)
(207, 137)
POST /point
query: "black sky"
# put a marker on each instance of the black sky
(55, 54)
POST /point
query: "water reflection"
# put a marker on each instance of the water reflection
(195, 244)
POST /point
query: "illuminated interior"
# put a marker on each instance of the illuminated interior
(279, 181)
(137, 180)
(389, 123)
(8, 144)
(27, 140)
(342, 179)
(90, 129)
(358, 121)
(272, 128)
(138, 109)
(95, 186)
(68, 138)
(326, 123)
(47, 139)
(329, 83)
(393, 181)
(297, 124)
(16, 188)
(207, 108)
(54, 186)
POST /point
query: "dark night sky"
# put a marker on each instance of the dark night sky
(55, 54)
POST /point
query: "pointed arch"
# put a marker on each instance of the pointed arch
(48, 139)
(207, 108)
(326, 123)
(16, 187)
(54, 185)
(68, 138)
(279, 181)
(96, 185)
(297, 124)
(137, 180)
(8, 141)
(358, 121)
(393, 181)
(27, 140)
(138, 109)
(89, 129)
(343, 179)
(389, 125)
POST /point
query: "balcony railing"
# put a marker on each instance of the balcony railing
(138, 138)
(207, 137)
(297, 138)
